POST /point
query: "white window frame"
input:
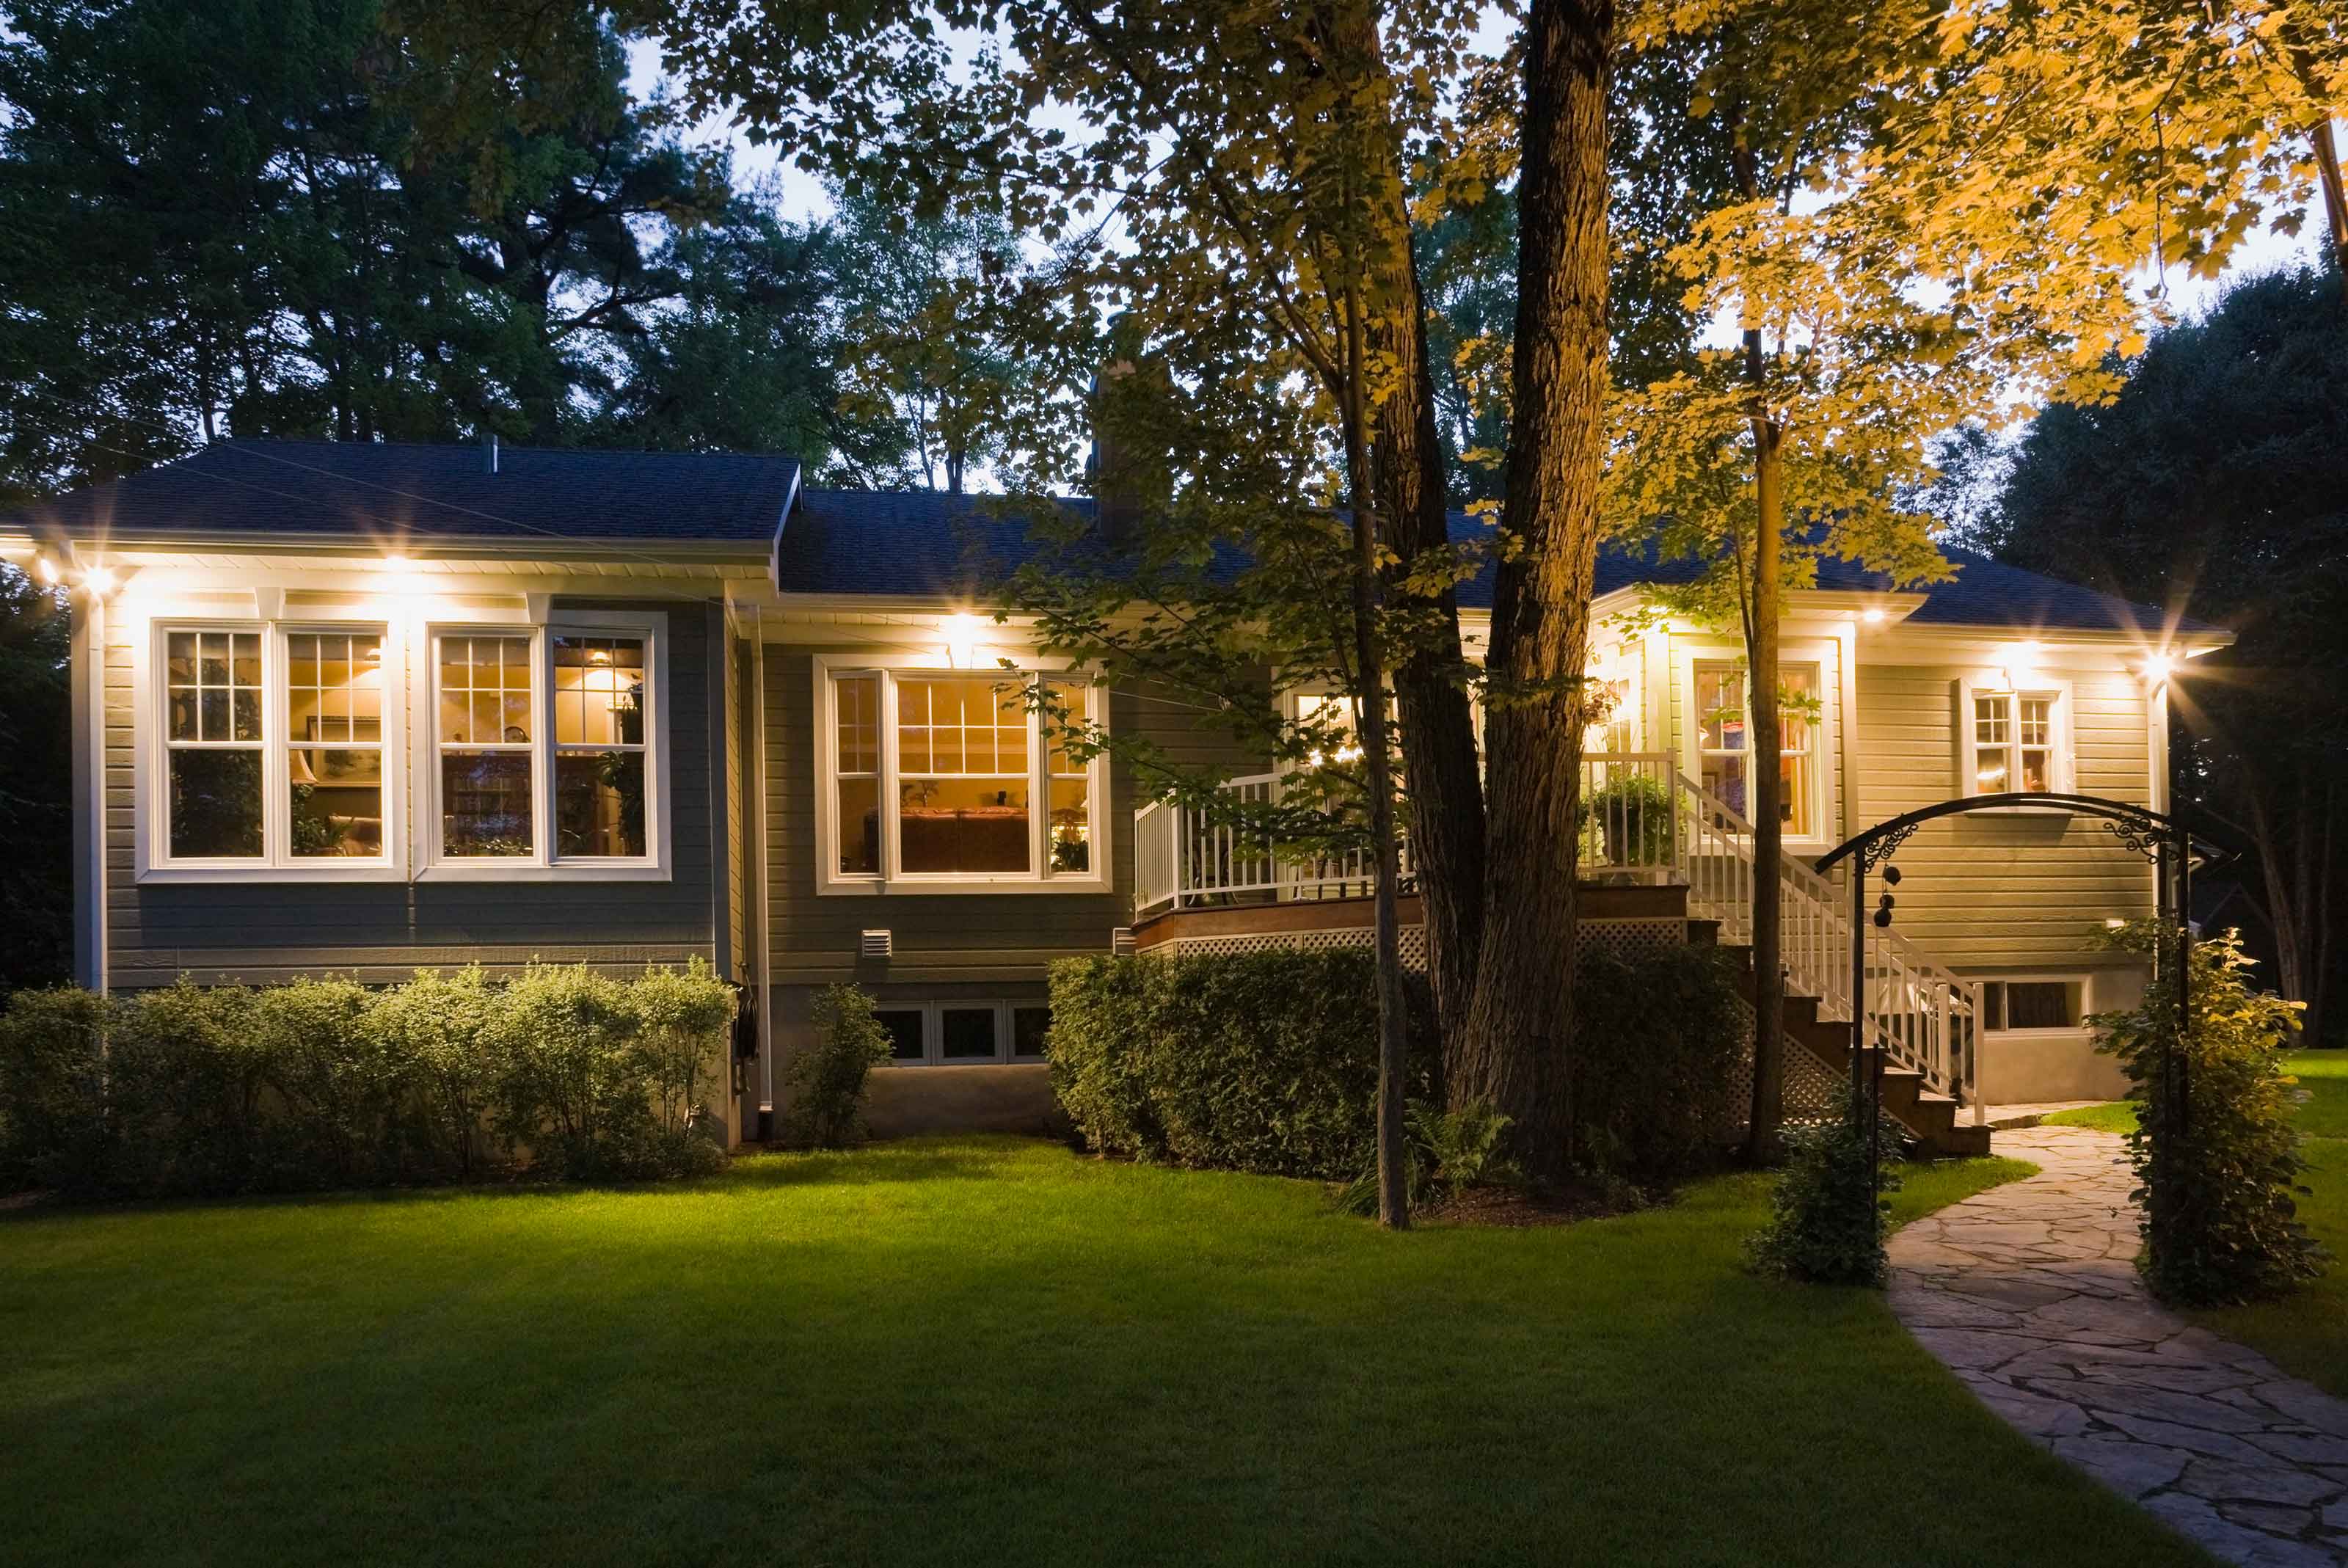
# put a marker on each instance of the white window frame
(151, 775)
(1819, 659)
(543, 864)
(2082, 979)
(2062, 764)
(891, 879)
(933, 1010)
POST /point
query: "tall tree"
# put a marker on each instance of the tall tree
(1200, 128)
(2216, 483)
(35, 786)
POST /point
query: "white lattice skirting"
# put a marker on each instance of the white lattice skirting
(1629, 938)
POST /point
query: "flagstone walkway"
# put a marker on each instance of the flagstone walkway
(2029, 1291)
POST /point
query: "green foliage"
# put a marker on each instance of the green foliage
(826, 1079)
(1256, 1061)
(1656, 1044)
(1824, 1227)
(35, 786)
(322, 1083)
(2216, 1153)
(1626, 821)
(1444, 1153)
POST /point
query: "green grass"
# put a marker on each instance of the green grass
(2307, 1332)
(2117, 1116)
(981, 1350)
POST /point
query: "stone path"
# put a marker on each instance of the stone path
(2032, 1113)
(2029, 1293)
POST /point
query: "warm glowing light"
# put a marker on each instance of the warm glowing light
(46, 570)
(600, 655)
(1874, 615)
(962, 640)
(2160, 667)
(99, 580)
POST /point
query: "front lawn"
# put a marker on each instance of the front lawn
(979, 1350)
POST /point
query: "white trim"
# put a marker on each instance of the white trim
(150, 767)
(2083, 979)
(1827, 789)
(543, 864)
(828, 668)
(2063, 770)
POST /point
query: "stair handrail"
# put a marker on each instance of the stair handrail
(1917, 1011)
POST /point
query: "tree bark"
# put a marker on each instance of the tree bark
(1766, 790)
(1370, 695)
(2335, 199)
(1515, 1051)
(1444, 786)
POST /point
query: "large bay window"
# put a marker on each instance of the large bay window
(268, 754)
(281, 750)
(944, 779)
(1723, 741)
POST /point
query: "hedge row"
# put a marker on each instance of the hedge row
(1268, 1061)
(325, 1083)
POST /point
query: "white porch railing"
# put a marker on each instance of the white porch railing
(1924, 1019)
(1641, 821)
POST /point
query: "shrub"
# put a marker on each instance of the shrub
(1658, 1041)
(1256, 1061)
(213, 1090)
(1444, 1153)
(1825, 1226)
(53, 1123)
(827, 1079)
(446, 1025)
(2215, 1151)
(1626, 821)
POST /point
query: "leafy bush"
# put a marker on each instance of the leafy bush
(1657, 1045)
(1824, 1226)
(1444, 1153)
(207, 1089)
(2216, 1153)
(826, 1080)
(1255, 1062)
(1626, 821)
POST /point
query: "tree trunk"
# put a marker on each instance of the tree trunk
(1444, 786)
(1370, 695)
(2335, 199)
(1514, 1053)
(1765, 792)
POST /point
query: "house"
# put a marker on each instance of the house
(360, 708)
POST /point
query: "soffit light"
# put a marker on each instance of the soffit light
(962, 640)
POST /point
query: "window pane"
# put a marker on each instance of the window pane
(485, 803)
(1072, 825)
(1028, 1028)
(963, 825)
(904, 1027)
(858, 700)
(1724, 780)
(599, 803)
(599, 684)
(1076, 701)
(860, 827)
(1988, 771)
(337, 802)
(2037, 721)
(966, 1033)
(485, 691)
(961, 724)
(216, 804)
(2041, 1004)
(1794, 810)
(2035, 771)
(1990, 721)
(1720, 708)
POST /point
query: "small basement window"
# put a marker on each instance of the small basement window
(966, 1034)
(2019, 1005)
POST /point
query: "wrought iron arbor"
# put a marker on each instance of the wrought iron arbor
(2167, 840)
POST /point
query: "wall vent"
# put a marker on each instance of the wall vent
(1120, 942)
(876, 944)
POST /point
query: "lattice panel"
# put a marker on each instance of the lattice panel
(1636, 939)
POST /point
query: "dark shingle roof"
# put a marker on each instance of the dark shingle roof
(386, 492)
(922, 545)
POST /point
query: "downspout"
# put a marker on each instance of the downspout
(761, 962)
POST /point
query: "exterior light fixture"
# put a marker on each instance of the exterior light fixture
(99, 580)
(962, 640)
(1874, 615)
(2159, 668)
(47, 570)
